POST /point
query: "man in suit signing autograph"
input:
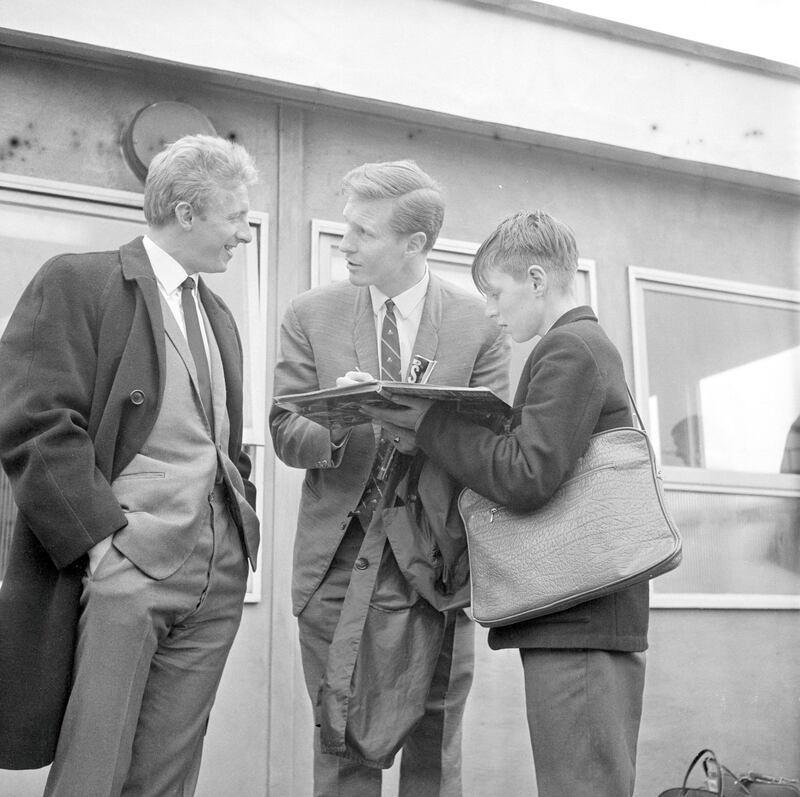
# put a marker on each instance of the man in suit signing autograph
(121, 433)
(387, 654)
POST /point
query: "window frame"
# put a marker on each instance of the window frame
(703, 480)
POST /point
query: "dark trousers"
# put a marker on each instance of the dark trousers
(584, 708)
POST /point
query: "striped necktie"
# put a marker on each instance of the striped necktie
(390, 346)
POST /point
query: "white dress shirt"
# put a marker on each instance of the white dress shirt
(170, 274)
(407, 312)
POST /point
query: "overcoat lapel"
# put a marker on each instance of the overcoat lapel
(136, 266)
(227, 341)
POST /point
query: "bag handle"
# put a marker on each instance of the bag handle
(709, 756)
(743, 786)
(636, 413)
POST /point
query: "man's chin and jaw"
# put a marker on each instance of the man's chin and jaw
(215, 233)
(359, 275)
(390, 278)
(219, 265)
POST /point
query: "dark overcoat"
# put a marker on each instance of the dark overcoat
(82, 367)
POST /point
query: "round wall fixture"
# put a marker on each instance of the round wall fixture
(157, 125)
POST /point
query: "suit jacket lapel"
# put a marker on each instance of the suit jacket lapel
(365, 340)
(178, 339)
(427, 340)
(218, 392)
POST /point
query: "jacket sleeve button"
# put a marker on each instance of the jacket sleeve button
(137, 397)
(362, 563)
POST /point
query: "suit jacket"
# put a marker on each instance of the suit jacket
(82, 362)
(331, 330)
(571, 387)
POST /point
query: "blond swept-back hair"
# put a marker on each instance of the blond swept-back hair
(525, 239)
(191, 170)
(417, 197)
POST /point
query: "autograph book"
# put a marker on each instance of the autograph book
(341, 406)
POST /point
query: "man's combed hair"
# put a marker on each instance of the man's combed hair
(525, 239)
(418, 199)
(191, 170)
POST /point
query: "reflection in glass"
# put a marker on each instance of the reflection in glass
(723, 373)
(734, 544)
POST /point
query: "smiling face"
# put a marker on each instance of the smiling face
(376, 254)
(217, 231)
(517, 305)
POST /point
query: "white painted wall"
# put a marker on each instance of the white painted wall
(470, 60)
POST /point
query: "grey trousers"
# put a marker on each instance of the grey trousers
(584, 708)
(148, 662)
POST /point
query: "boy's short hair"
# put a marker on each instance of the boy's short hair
(418, 200)
(525, 239)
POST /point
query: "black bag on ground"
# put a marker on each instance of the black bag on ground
(721, 782)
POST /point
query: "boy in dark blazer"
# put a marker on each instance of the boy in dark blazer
(584, 667)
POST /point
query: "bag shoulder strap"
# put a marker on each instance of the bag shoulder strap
(636, 414)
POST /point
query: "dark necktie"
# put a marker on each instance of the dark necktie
(390, 346)
(198, 350)
(390, 372)
(384, 455)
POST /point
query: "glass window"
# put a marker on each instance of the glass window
(719, 365)
(40, 219)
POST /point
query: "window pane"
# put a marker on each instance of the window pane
(724, 380)
(32, 234)
(746, 544)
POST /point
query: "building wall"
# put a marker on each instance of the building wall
(595, 84)
(725, 679)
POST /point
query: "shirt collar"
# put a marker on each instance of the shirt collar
(169, 272)
(404, 302)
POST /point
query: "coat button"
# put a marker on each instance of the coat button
(362, 563)
(137, 397)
